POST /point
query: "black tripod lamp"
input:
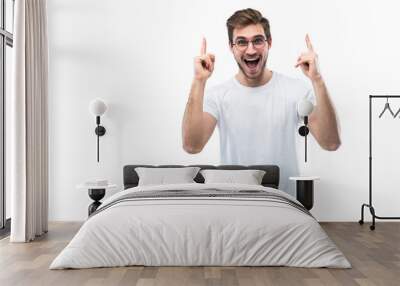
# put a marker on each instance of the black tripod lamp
(97, 107)
(304, 108)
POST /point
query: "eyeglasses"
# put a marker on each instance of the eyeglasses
(242, 44)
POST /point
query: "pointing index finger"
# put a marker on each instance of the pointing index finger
(203, 49)
(308, 43)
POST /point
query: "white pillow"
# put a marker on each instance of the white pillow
(249, 177)
(164, 176)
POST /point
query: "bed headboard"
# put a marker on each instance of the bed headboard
(270, 179)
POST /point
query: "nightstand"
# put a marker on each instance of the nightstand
(305, 190)
(96, 193)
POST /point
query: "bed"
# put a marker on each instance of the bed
(201, 224)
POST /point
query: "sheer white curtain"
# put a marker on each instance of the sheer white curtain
(28, 123)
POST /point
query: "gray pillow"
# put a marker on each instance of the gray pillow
(249, 177)
(164, 176)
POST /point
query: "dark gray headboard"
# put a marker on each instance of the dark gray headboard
(270, 179)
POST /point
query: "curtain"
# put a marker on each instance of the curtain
(29, 122)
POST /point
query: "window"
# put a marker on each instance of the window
(6, 44)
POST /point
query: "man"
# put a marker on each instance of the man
(256, 110)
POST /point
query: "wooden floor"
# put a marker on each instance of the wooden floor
(374, 255)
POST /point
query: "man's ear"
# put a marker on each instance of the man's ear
(269, 41)
(230, 46)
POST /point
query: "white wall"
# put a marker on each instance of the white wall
(137, 56)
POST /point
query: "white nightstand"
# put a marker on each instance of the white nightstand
(96, 193)
(305, 190)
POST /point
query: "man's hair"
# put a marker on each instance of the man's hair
(245, 17)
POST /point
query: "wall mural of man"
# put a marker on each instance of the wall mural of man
(256, 110)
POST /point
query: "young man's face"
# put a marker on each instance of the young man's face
(253, 58)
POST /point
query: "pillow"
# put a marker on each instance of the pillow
(163, 176)
(249, 177)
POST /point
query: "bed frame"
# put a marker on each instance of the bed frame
(270, 179)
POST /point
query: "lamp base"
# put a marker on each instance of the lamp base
(100, 130)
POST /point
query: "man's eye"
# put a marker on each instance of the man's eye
(241, 42)
(258, 41)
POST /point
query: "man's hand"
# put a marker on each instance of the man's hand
(203, 64)
(308, 62)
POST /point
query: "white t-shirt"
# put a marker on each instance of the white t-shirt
(258, 125)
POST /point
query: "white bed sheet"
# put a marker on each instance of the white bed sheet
(200, 231)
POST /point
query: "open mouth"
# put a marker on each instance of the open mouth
(252, 63)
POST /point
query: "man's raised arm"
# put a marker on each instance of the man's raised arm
(322, 121)
(198, 126)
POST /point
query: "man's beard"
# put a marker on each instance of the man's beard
(252, 76)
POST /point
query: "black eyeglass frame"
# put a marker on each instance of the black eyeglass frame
(247, 41)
